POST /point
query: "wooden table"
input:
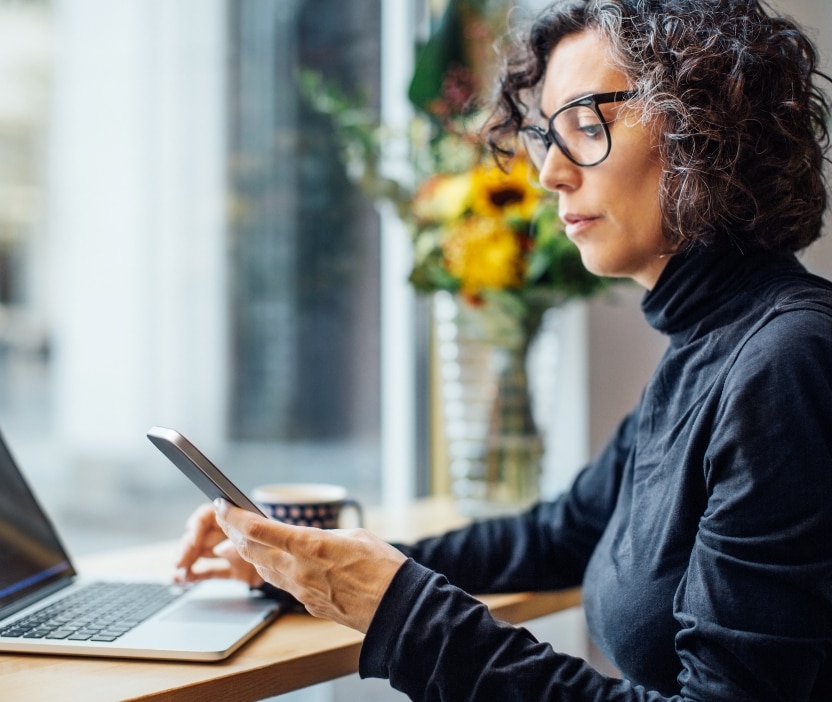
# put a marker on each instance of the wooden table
(294, 652)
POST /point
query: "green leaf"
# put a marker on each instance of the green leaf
(442, 50)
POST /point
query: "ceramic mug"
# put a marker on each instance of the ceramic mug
(307, 504)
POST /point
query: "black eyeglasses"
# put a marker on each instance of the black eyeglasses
(579, 130)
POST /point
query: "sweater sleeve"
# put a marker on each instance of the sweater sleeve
(435, 643)
(545, 548)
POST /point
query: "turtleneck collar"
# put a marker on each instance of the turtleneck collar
(700, 283)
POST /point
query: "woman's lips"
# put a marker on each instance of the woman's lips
(576, 223)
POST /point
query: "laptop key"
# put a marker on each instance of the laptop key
(59, 634)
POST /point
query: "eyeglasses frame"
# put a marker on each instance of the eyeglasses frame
(550, 136)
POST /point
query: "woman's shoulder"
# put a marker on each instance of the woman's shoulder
(782, 281)
(789, 303)
(791, 342)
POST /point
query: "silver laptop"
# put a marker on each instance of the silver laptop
(46, 607)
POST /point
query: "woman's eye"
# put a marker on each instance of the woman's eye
(591, 130)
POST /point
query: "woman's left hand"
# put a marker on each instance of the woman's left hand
(337, 574)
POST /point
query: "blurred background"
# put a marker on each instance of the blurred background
(180, 245)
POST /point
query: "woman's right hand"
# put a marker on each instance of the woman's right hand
(205, 552)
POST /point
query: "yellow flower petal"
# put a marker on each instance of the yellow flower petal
(483, 253)
(443, 197)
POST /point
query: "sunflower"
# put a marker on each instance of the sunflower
(512, 195)
(483, 253)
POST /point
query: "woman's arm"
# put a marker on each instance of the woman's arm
(436, 643)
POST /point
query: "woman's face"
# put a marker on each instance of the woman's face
(611, 210)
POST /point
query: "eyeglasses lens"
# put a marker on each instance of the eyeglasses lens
(582, 134)
(535, 146)
(578, 131)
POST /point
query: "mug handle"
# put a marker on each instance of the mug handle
(350, 503)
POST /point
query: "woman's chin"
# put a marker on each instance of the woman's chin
(604, 266)
(596, 265)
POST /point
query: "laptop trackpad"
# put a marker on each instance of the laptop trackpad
(219, 610)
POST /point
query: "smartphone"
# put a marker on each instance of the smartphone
(196, 466)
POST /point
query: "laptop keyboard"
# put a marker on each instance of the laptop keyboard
(95, 612)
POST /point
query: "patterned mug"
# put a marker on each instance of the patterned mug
(307, 504)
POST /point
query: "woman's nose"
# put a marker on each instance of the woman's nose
(558, 172)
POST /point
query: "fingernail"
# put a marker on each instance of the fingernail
(220, 505)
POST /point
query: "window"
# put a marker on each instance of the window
(188, 252)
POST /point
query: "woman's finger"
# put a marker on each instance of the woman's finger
(218, 569)
(253, 527)
(197, 540)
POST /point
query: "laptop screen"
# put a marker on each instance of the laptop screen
(31, 555)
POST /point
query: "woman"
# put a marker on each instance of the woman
(685, 140)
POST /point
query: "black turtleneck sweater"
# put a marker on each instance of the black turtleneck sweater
(702, 534)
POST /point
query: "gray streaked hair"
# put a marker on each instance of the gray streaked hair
(730, 88)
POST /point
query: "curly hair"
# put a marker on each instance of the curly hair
(730, 89)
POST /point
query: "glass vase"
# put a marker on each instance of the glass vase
(493, 444)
